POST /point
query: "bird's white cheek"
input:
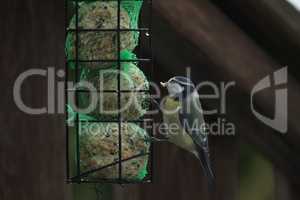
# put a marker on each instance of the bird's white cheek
(174, 89)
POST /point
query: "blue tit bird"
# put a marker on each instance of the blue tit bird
(182, 107)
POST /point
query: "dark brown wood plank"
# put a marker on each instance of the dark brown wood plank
(32, 148)
(274, 25)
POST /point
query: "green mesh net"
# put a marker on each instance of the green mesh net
(136, 168)
(133, 8)
(103, 45)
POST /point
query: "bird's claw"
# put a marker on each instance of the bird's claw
(154, 139)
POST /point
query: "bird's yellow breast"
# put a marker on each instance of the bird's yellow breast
(170, 103)
(176, 132)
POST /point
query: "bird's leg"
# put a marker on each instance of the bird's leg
(155, 139)
(156, 103)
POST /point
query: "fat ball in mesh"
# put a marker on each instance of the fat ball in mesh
(99, 147)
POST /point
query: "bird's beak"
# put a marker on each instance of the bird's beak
(163, 84)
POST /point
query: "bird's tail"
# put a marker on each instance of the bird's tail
(204, 157)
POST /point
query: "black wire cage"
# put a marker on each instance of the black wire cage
(75, 174)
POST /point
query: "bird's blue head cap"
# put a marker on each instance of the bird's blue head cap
(179, 86)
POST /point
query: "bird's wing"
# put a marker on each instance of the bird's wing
(191, 119)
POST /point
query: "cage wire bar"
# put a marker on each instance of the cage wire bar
(81, 177)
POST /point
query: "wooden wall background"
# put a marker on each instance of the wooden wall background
(31, 147)
(211, 37)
